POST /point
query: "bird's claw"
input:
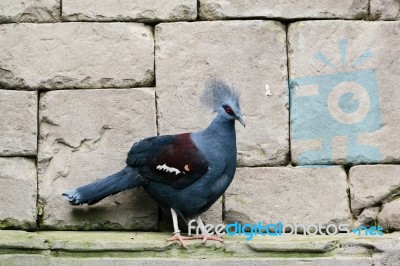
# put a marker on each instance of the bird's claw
(179, 238)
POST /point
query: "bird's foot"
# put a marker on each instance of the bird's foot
(179, 238)
(208, 237)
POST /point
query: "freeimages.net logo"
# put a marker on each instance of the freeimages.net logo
(340, 104)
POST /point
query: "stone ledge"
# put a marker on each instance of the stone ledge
(99, 248)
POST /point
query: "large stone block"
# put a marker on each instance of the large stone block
(86, 135)
(290, 195)
(344, 96)
(372, 185)
(220, 9)
(29, 10)
(249, 55)
(125, 10)
(76, 55)
(18, 123)
(385, 9)
(18, 193)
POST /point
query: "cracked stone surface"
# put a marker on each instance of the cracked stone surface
(385, 9)
(29, 11)
(291, 195)
(86, 135)
(372, 185)
(125, 10)
(389, 217)
(18, 192)
(68, 55)
(222, 9)
(344, 95)
(248, 55)
(18, 123)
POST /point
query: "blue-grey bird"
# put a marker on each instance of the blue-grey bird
(184, 173)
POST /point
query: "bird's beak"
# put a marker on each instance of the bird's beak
(240, 119)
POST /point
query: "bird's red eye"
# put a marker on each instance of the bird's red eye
(228, 110)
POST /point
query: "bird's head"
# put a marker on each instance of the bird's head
(223, 100)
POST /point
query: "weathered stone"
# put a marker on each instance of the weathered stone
(18, 192)
(385, 9)
(389, 250)
(220, 9)
(344, 101)
(86, 135)
(214, 214)
(389, 217)
(29, 10)
(76, 55)
(38, 260)
(290, 195)
(141, 248)
(367, 217)
(18, 123)
(249, 55)
(125, 10)
(370, 185)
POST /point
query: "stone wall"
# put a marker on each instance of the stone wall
(81, 80)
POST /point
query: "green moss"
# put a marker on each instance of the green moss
(13, 224)
(78, 244)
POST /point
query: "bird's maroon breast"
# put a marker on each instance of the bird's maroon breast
(180, 161)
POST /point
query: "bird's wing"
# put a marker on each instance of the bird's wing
(172, 159)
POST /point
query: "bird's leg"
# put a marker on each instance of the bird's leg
(204, 234)
(177, 233)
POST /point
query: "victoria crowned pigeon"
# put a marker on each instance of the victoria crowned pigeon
(184, 173)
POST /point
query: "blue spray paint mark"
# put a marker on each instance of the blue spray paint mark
(367, 54)
(343, 50)
(347, 102)
(321, 57)
(312, 118)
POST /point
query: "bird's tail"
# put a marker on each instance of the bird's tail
(94, 192)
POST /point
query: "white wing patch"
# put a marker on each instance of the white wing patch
(168, 169)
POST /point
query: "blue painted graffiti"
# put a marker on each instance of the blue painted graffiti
(342, 104)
